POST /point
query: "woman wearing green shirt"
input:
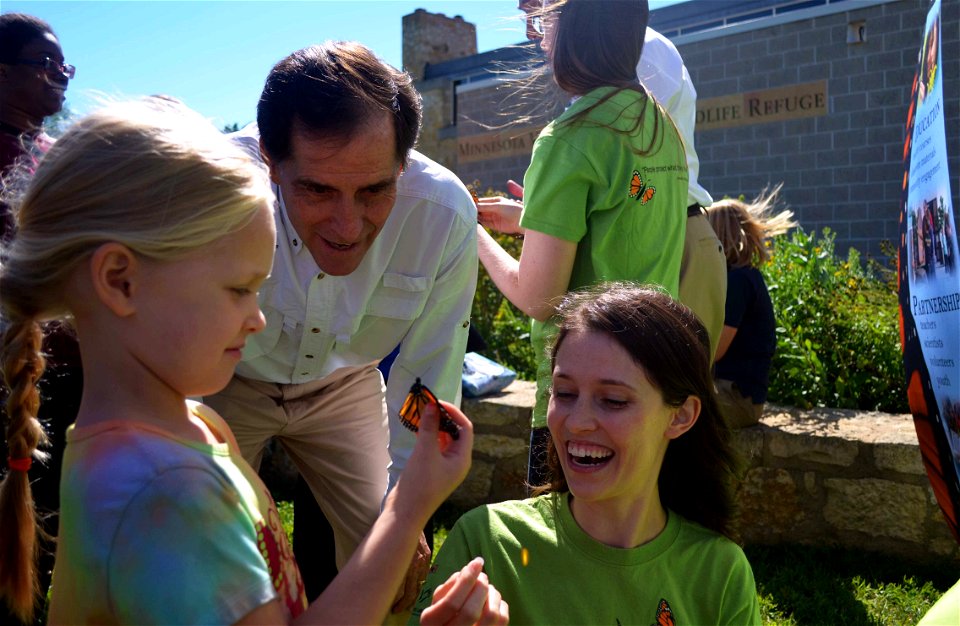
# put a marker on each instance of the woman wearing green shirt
(635, 524)
(605, 193)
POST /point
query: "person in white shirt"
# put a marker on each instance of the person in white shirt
(703, 273)
(376, 246)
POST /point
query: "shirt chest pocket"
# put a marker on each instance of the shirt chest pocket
(399, 297)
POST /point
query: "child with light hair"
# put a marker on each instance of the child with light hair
(748, 339)
(153, 233)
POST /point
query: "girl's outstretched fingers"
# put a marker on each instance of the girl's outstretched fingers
(500, 214)
(438, 462)
(467, 597)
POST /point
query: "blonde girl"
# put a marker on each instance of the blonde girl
(153, 233)
(748, 338)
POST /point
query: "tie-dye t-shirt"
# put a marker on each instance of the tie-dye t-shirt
(155, 529)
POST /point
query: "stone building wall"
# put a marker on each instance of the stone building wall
(434, 37)
(430, 38)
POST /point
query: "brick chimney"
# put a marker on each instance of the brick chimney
(433, 38)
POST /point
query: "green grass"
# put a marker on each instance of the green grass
(801, 585)
(285, 509)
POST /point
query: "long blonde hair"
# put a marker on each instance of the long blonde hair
(152, 175)
(742, 228)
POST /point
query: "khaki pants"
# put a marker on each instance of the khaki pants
(334, 430)
(738, 410)
(703, 277)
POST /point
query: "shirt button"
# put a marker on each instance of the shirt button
(465, 324)
(308, 356)
(304, 373)
(320, 276)
(314, 330)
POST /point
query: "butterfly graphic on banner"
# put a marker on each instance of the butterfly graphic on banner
(639, 191)
(417, 400)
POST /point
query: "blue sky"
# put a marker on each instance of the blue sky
(216, 55)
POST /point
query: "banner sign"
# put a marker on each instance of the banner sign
(929, 282)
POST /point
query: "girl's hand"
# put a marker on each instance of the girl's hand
(438, 463)
(467, 597)
(500, 214)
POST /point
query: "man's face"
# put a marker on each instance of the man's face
(339, 192)
(30, 88)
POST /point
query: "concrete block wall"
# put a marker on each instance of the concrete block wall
(827, 476)
(843, 170)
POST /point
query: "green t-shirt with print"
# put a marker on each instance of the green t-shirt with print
(626, 211)
(551, 572)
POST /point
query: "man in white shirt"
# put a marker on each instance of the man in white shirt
(703, 270)
(376, 247)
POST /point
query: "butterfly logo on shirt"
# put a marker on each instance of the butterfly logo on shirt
(639, 191)
(417, 400)
(664, 614)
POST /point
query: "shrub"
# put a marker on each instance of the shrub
(503, 326)
(838, 342)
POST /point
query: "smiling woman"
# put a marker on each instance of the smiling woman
(638, 512)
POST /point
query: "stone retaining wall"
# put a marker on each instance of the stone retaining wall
(827, 476)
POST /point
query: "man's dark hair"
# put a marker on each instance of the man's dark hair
(16, 30)
(332, 90)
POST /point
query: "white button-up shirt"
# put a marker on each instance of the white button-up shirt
(414, 288)
(662, 71)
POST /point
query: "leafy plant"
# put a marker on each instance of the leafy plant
(503, 326)
(838, 341)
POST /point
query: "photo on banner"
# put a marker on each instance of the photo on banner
(929, 279)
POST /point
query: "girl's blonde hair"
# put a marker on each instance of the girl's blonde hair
(152, 175)
(742, 228)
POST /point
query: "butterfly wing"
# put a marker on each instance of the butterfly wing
(418, 398)
(412, 407)
(636, 184)
(664, 615)
(647, 194)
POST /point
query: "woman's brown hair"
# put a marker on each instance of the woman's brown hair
(597, 44)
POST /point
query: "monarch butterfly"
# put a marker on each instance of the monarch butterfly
(639, 191)
(664, 614)
(418, 399)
